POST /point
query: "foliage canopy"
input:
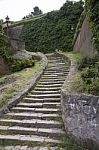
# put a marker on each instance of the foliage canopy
(53, 31)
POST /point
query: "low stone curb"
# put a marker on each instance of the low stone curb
(21, 94)
(80, 113)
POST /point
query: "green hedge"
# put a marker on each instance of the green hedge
(53, 31)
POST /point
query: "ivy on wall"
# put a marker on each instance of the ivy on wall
(53, 31)
(92, 9)
(5, 48)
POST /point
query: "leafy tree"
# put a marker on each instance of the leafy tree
(37, 11)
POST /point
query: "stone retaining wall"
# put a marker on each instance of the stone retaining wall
(84, 43)
(80, 114)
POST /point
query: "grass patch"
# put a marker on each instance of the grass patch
(23, 79)
(76, 84)
(74, 55)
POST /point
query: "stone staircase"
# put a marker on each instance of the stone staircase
(36, 121)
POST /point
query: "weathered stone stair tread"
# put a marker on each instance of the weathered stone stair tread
(32, 122)
(37, 104)
(52, 75)
(31, 104)
(50, 85)
(60, 63)
(45, 95)
(52, 79)
(32, 138)
(48, 73)
(51, 82)
(29, 130)
(41, 110)
(45, 92)
(32, 115)
(34, 100)
(28, 148)
(47, 89)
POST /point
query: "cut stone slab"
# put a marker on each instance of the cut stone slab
(38, 110)
(51, 82)
(38, 105)
(45, 92)
(34, 100)
(33, 122)
(32, 115)
(32, 138)
(48, 86)
(45, 96)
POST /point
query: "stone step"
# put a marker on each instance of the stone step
(47, 89)
(32, 123)
(57, 58)
(35, 100)
(44, 96)
(32, 105)
(36, 110)
(39, 105)
(18, 147)
(51, 82)
(26, 115)
(55, 63)
(56, 69)
(49, 86)
(54, 75)
(53, 79)
(50, 72)
(45, 92)
(33, 131)
(30, 138)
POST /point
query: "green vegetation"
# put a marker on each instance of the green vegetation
(92, 9)
(79, 25)
(89, 67)
(53, 31)
(21, 79)
(90, 74)
(18, 65)
(28, 20)
(5, 48)
(86, 77)
(74, 55)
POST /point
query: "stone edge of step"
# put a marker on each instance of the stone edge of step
(13, 101)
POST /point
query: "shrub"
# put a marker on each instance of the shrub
(21, 64)
(90, 74)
